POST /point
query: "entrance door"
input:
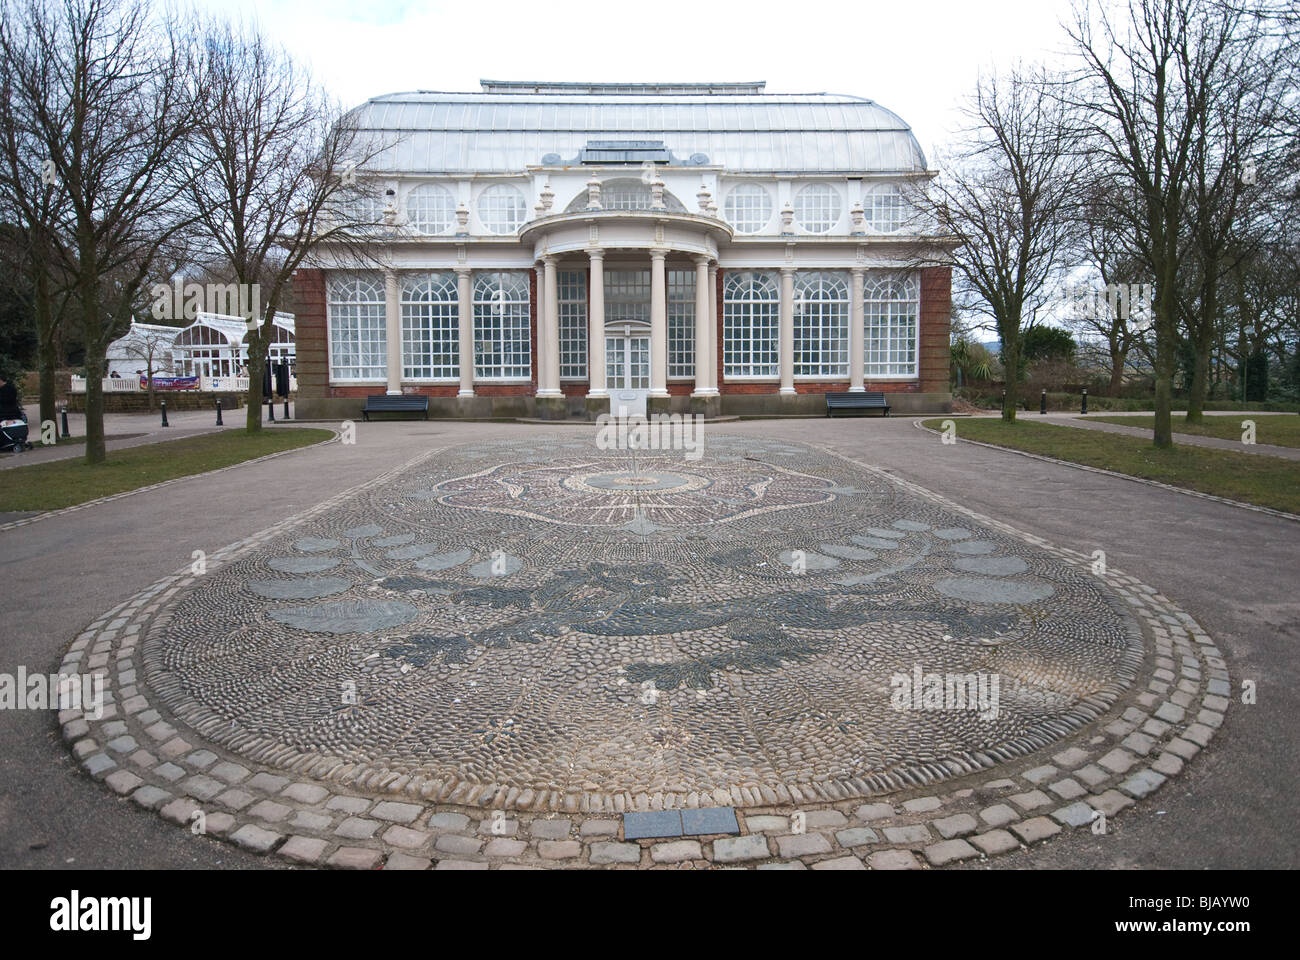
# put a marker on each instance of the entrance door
(627, 374)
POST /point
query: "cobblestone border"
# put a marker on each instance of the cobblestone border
(1255, 508)
(162, 483)
(318, 817)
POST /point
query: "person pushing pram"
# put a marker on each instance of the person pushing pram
(13, 422)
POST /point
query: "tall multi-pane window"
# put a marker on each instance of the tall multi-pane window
(748, 207)
(430, 209)
(627, 296)
(430, 327)
(502, 350)
(358, 342)
(501, 208)
(886, 208)
(891, 306)
(821, 325)
(817, 207)
(681, 323)
(751, 309)
(573, 324)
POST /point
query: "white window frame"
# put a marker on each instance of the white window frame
(505, 193)
(430, 318)
(505, 294)
(823, 298)
(825, 195)
(680, 303)
(887, 298)
(743, 309)
(740, 198)
(343, 292)
(886, 217)
(430, 196)
(572, 301)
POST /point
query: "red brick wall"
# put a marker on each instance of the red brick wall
(936, 317)
(312, 363)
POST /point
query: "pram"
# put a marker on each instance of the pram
(13, 434)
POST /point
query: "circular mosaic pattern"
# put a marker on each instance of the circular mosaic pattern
(542, 620)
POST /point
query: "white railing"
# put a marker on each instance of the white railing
(206, 385)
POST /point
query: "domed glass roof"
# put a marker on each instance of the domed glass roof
(510, 126)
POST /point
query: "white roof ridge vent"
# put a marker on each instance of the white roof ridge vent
(648, 89)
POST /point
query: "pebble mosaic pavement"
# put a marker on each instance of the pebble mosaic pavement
(485, 656)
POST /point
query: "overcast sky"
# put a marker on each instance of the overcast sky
(916, 58)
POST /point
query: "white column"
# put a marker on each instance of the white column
(856, 358)
(465, 303)
(713, 327)
(596, 326)
(787, 330)
(703, 387)
(548, 335)
(393, 332)
(658, 324)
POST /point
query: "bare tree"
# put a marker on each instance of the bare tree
(111, 121)
(1004, 197)
(1240, 159)
(1143, 89)
(1105, 246)
(32, 203)
(274, 176)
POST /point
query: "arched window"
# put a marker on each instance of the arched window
(625, 193)
(358, 345)
(821, 325)
(430, 327)
(751, 309)
(748, 207)
(891, 306)
(501, 208)
(502, 350)
(817, 207)
(886, 208)
(363, 208)
(430, 209)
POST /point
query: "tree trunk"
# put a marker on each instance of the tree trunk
(1166, 360)
(1203, 344)
(1011, 365)
(256, 371)
(47, 353)
(1117, 358)
(92, 328)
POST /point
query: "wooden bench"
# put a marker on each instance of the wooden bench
(382, 403)
(856, 401)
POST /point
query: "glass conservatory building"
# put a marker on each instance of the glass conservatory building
(560, 250)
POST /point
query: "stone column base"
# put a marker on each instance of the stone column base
(597, 406)
(708, 406)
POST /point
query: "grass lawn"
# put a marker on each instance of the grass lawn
(1251, 478)
(63, 483)
(1280, 429)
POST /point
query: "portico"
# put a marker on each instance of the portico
(627, 360)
